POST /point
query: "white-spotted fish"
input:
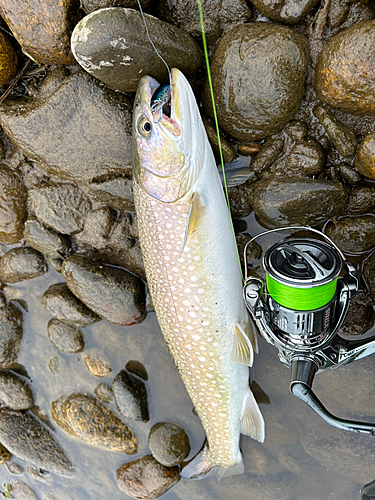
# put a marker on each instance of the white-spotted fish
(193, 272)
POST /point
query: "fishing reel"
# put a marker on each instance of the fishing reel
(300, 308)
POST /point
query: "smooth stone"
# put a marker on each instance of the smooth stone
(137, 368)
(344, 71)
(8, 61)
(5, 457)
(145, 478)
(14, 467)
(96, 365)
(285, 202)
(15, 392)
(296, 129)
(66, 307)
(349, 174)
(353, 234)
(112, 293)
(228, 151)
(168, 443)
(26, 438)
(22, 263)
(122, 53)
(74, 114)
(338, 12)
(306, 159)
(360, 318)
(284, 11)
(42, 28)
(23, 491)
(97, 226)
(258, 73)
(91, 5)
(13, 208)
(104, 393)
(268, 154)
(365, 160)
(67, 338)
(116, 192)
(60, 206)
(361, 199)
(11, 320)
(131, 396)
(46, 240)
(88, 419)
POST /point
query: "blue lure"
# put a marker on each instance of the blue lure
(161, 101)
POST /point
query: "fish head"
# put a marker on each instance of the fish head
(169, 138)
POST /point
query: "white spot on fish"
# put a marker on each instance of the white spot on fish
(202, 358)
(196, 337)
(200, 290)
(189, 327)
(187, 290)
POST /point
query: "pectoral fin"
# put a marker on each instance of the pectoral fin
(195, 213)
(242, 348)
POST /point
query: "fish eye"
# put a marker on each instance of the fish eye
(144, 127)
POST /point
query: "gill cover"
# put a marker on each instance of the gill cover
(168, 151)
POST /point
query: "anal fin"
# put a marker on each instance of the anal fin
(242, 348)
(252, 423)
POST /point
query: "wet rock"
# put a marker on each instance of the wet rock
(22, 491)
(66, 307)
(13, 210)
(137, 368)
(5, 456)
(42, 28)
(8, 61)
(361, 199)
(365, 160)
(22, 263)
(284, 202)
(239, 199)
(116, 192)
(229, 153)
(96, 365)
(285, 11)
(67, 338)
(91, 5)
(104, 393)
(349, 174)
(168, 443)
(26, 438)
(369, 272)
(338, 12)
(353, 234)
(112, 293)
(343, 139)
(253, 251)
(39, 474)
(344, 76)
(306, 158)
(88, 419)
(11, 320)
(131, 396)
(368, 491)
(145, 478)
(60, 206)
(258, 73)
(248, 149)
(268, 154)
(360, 318)
(15, 392)
(98, 225)
(67, 118)
(14, 468)
(45, 240)
(122, 53)
(296, 129)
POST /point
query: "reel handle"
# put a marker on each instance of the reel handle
(302, 376)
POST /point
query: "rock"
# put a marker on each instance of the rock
(39, 474)
(11, 319)
(42, 28)
(285, 202)
(239, 200)
(365, 160)
(91, 5)
(112, 293)
(131, 396)
(104, 393)
(306, 159)
(15, 392)
(258, 72)
(368, 491)
(8, 61)
(60, 206)
(22, 491)
(344, 76)
(13, 467)
(98, 225)
(66, 307)
(254, 251)
(45, 240)
(88, 419)
(13, 209)
(353, 234)
(296, 129)
(268, 154)
(229, 153)
(116, 192)
(137, 368)
(122, 53)
(67, 338)
(5, 456)
(26, 438)
(369, 272)
(168, 443)
(96, 365)
(285, 11)
(22, 263)
(361, 199)
(349, 174)
(338, 12)
(66, 117)
(360, 318)
(145, 478)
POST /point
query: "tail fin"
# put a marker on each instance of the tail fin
(202, 467)
(252, 423)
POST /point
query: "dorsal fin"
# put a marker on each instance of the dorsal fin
(195, 213)
(242, 348)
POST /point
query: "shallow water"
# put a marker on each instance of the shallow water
(302, 457)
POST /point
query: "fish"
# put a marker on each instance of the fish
(193, 273)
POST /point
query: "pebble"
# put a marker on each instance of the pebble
(66, 307)
(168, 443)
(46, 240)
(22, 263)
(258, 72)
(14, 468)
(131, 396)
(96, 365)
(361, 199)
(22, 491)
(15, 392)
(145, 478)
(137, 368)
(349, 174)
(8, 61)
(239, 200)
(306, 159)
(88, 419)
(116, 192)
(67, 338)
(13, 209)
(285, 11)
(365, 160)
(122, 53)
(91, 5)
(344, 71)
(104, 393)
(353, 234)
(11, 320)
(111, 292)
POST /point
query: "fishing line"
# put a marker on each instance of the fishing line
(205, 50)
